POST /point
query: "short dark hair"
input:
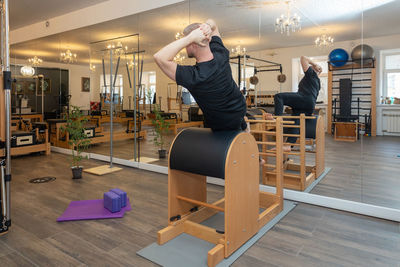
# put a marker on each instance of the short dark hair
(191, 28)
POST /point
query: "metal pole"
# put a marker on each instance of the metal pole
(111, 111)
(134, 108)
(42, 83)
(244, 74)
(7, 88)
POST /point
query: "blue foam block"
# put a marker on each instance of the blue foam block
(122, 195)
(112, 202)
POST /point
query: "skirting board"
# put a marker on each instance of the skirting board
(308, 198)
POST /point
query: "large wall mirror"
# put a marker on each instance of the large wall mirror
(354, 147)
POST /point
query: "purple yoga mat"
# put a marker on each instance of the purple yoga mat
(90, 210)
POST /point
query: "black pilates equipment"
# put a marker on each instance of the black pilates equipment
(191, 151)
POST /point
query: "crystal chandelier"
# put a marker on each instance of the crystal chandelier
(131, 64)
(35, 61)
(68, 56)
(92, 67)
(288, 23)
(238, 51)
(179, 58)
(178, 35)
(27, 71)
(323, 41)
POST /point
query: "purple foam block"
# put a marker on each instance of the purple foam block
(122, 195)
(90, 210)
(112, 202)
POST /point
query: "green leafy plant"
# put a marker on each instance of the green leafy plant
(149, 96)
(161, 127)
(77, 137)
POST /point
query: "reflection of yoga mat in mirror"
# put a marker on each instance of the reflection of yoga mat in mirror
(90, 210)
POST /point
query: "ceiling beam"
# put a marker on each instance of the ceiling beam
(102, 12)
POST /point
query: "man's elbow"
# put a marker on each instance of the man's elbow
(156, 57)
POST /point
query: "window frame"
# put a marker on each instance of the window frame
(383, 71)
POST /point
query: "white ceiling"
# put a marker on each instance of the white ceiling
(26, 12)
(249, 23)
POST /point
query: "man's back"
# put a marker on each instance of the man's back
(215, 91)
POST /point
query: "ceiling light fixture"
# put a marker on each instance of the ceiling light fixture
(288, 23)
(27, 71)
(178, 35)
(92, 67)
(323, 41)
(35, 61)
(179, 58)
(68, 57)
(238, 51)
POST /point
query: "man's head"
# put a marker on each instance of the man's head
(317, 68)
(192, 48)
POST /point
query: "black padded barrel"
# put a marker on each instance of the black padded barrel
(201, 151)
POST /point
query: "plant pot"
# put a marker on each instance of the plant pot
(162, 153)
(77, 172)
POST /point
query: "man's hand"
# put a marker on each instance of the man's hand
(197, 36)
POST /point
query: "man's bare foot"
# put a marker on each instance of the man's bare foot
(268, 116)
(262, 161)
(285, 148)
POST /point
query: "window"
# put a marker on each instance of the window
(391, 73)
(298, 74)
(118, 88)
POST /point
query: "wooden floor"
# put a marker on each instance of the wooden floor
(307, 236)
(367, 173)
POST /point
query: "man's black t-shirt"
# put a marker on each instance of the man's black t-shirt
(310, 84)
(212, 86)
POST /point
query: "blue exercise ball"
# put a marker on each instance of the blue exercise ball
(338, 57)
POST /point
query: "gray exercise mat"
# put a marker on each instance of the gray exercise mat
(186, 250)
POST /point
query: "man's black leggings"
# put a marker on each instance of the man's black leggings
(299, 103)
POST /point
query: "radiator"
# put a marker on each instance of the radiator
(391, 121)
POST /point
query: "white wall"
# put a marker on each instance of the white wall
(268, 81)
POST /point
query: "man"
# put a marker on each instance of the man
(210, 80)
(306, 97)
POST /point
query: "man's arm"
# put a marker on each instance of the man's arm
(165, 57)
(306, 63)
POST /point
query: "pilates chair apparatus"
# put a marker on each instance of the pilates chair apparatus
(297, 176)
(230, 155)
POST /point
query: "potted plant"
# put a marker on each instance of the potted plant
(77, 139)
(161, 128)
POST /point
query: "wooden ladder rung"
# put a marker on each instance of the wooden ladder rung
(266, 143)
(291, 144)
(286, 153)
(267, 154)
(291, 135)
(263, 132)
(291, 126)
(269, 165)
(296, 176)
(200, 203)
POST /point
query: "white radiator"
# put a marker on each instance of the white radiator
(391, 121)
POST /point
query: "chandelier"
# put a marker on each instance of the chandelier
(323, 41)
(68, 56)
(238, 51)
(35, 61)
(288, 23)
(92, 67)
(178, 35)
(27, 71)
(179, 58)
(131, 64)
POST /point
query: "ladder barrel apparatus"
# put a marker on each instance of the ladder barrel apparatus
(229, 155)
(310, 130)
